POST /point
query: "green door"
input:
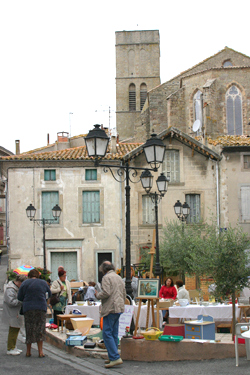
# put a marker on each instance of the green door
(67, 259)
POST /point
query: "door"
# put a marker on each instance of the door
(67, 259)
(101, 257)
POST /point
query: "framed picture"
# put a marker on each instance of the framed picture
(148, 288)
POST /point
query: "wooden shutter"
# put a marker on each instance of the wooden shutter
(171, 165)
(193, 200)
(49, 200)
(148, 213)
(91, 207)
(245, 202)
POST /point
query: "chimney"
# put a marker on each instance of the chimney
(113, 144)
(17, 141)
(47, 139)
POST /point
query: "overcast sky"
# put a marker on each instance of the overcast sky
(58, 57)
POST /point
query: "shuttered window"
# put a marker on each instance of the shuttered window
(246, 161)
(245, 202)
(143, 94)
(90, 174)
(132, 97)
(193, 200)
(234, 111)
(91, 207)
(49, 200)
(148, 212)
(49, 175)
(171, 165)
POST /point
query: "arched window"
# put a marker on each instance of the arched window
(132, 97)
(198, 105)
(227, 63)
(234, 111)
(143, 94)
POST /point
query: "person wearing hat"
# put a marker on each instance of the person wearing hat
(62, 286)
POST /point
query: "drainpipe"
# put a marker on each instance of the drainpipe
(217, 195)
(121, 230)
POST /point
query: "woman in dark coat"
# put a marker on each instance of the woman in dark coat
(34, 292)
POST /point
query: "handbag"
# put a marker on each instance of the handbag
(55, 298)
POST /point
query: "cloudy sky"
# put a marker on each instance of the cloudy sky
(58, 57)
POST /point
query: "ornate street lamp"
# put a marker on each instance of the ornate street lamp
(162, 185)
(154, 149)
(56, 212)
(182, 211)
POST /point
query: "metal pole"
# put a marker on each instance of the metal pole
(44, 250)
(157, 256)
(128, 255)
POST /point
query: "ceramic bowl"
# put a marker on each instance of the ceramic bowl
(183, 301)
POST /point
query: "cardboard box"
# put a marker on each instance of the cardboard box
(75, 340)
(166, 304)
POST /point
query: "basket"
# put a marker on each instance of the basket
(152, 335)
(170, 338)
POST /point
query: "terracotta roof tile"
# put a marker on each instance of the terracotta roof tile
(230, 140)
(76, 153)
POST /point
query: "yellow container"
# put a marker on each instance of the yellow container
(152, 333)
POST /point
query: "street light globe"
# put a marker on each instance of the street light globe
(97, 142)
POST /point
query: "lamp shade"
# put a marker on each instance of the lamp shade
(154, 150)
(56, 211)
(162, 183)
(185, 209)
(178, 208)
(96, 142)
(147, 180)
(30, 211)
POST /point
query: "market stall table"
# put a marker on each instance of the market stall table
(218, 312)
(90, 311)
(66, 317)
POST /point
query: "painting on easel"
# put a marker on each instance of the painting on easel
(148, 288)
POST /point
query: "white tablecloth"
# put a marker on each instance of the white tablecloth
(90, 311)
(219, 312)
(143, 316)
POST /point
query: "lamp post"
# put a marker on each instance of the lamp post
(162, 185)
(154, 150)
(182, 212)
(56, 212)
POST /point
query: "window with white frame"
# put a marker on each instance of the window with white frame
(171, 165)
(234, 111)
(245, 202)
(90, 207)
(193, 200)
(49, 200)
(148, 211)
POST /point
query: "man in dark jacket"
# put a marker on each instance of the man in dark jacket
(113, 299)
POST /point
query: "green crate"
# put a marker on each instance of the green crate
(170, 338)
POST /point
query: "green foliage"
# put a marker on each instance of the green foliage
(230, 271)
(201, 249)
(183, 251)
(11, 275)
